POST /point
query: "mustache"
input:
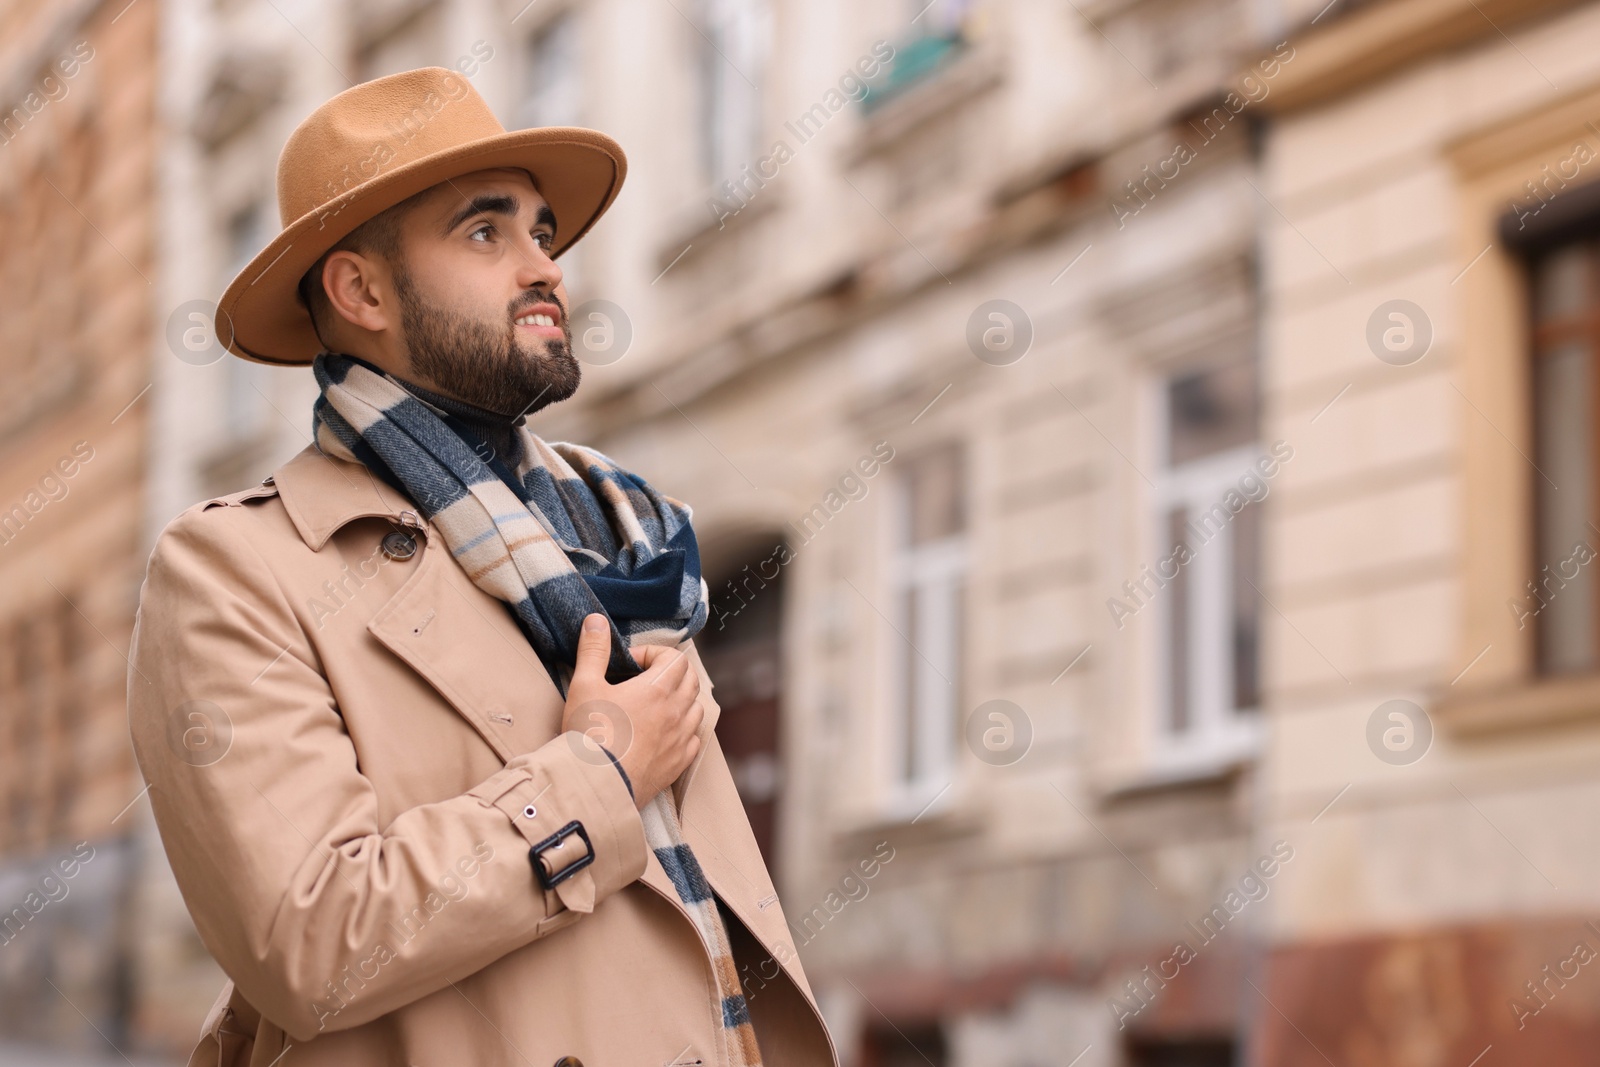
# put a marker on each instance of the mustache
(535, 300)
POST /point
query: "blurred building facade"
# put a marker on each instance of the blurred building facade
(1431, 169)
(1121, 437)
(915, 503)
(79, 138)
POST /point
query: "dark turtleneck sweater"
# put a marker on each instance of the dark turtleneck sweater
(476, 425)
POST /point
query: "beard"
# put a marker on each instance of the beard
(485, 364)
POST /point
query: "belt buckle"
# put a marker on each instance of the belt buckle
(554, 840)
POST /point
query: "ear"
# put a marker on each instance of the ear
(361, 291)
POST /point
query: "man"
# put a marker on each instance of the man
(428, 741)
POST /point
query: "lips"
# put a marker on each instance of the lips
(543, 320)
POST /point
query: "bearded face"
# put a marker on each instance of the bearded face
(514, 363)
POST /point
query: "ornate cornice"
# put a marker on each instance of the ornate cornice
(1377, 40)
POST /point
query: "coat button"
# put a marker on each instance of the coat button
(569, 1061)
(397, 544)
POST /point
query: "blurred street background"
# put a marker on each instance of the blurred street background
(1143, 453)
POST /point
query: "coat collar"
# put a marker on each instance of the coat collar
(321, 494)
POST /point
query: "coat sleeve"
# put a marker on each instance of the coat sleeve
(323, 918)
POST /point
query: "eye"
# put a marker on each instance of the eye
(487, 227)
(544, 240)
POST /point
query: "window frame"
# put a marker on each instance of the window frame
(1545, 340)
(1218, 734)
(1491, 685)
(566, 21)
(714, 70)
(923, 757)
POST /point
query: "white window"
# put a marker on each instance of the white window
(553, 90)
(1206, 524)
(734, 41)
(928, 577)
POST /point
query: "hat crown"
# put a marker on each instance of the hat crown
(375, 127)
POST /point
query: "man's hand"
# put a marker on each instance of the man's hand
(650, 722)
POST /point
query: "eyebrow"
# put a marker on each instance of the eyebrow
(498, 204)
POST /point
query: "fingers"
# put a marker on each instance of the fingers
(647, 655)
(689, 684)
(687, 696)
(594, 648)
(667, 667)
(662, 703)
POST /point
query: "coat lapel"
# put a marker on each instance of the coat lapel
(458, 639)
(745, 886)
(464, 644)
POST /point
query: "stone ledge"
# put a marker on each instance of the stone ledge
(1529, 705)
(1355, 52)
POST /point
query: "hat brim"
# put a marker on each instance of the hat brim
(260, 317)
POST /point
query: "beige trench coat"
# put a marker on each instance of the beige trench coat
(350, 752)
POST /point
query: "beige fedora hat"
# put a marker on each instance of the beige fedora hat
(373, 146)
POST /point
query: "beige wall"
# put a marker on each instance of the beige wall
(1402, 528)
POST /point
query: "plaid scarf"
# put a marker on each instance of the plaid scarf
(578, 535)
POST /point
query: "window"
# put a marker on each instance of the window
(1566, 329)
(1207, 523)
(734, 39)
(417, 39)
(939, 33)
(42, 686)
(1523, 354)
(553, 93)
(940, 18)
(928, 578)
(249, 230)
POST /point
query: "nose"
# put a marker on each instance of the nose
(535, 268)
